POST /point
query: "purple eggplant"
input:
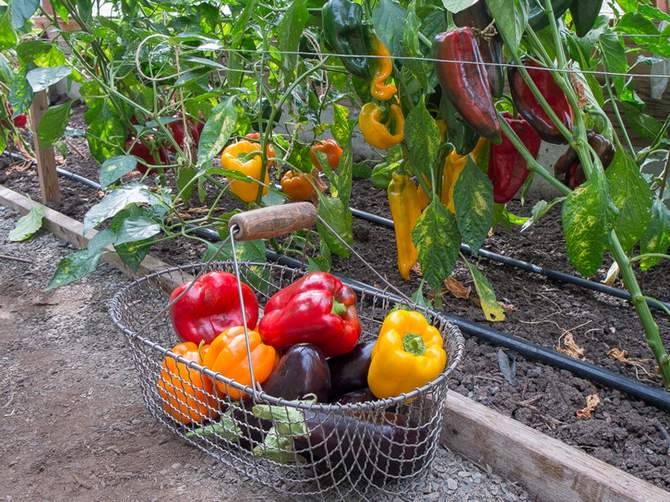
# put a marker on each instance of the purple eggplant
(356, 396)
(301, 370)
(349, 372)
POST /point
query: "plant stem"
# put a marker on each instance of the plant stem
(617, 114)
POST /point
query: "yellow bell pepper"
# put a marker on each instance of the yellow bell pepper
(454, 165)
(230, 160)
(381, 134)
(405, 211)
(379, 89)
(408, 354)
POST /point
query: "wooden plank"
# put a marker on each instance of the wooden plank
(46, 159)
(72, 231)
(548, 468)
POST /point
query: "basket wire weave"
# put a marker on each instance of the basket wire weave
(351, 450)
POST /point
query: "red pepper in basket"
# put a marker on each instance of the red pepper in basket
(316, 309)
(507, 168)
(530, 109)
(211, 305)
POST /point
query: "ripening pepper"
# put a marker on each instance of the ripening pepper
(300, 186)
(346, 33)
(537, 17)
(454, 165)
(405, 211)
(408, 354)
(316, 309)
(179, 132)
(508, 170)
(383, 65)
(465, 82)
(142, 151)
(491, 48)
(530, 109)
(584, 14)
(330, 149)
(230, 160)
(569, 168)
(210, 305)
(187, 395)
(227, 355)
(377, 132)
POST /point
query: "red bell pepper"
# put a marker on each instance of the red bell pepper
(507, 168)
(316, 309)
(211, 305)
(142, 151)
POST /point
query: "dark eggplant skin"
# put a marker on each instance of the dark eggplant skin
(491, 48)
(349, 372)
(362, 447)
(356, 396)
(301, 370)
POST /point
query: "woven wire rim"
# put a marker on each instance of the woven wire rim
(454, 339)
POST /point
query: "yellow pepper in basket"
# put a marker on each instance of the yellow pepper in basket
(408, 354)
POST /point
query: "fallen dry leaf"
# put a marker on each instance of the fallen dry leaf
(621, 356)
(592, 402)
(417, 269)
(457, 288)
(568, 346)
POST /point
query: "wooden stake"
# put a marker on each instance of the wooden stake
(46, 159)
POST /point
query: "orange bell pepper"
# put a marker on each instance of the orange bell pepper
(330, 149)
(300, 186)
(227, 355)
(187, 394)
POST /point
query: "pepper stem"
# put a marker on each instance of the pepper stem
(338, 308)
(413, 344)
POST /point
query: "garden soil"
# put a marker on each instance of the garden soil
(622, 431)
(74, 426)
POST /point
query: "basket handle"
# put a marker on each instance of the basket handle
(273, 221)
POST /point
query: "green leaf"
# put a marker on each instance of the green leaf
(8, 37)
(22, 10)
(132, 253)
(20, 93)
(388, 18)
(53, 124)
(382, 173)
(657, 237)
(437, 241)
(116, 201)
(586, 223)
(216, 133)
(106, 133)
(457, 5)
(614, 56)
(290, 30)
(493, 311)
(510, 20)
(74, 267)
(100, 241)
(113, 169)
(41, 78)
(27, 225)
(422, 137)
(338, 217)
(411, 46)
(341, 126)
(137, 228)
(631, 194)
(473, 199)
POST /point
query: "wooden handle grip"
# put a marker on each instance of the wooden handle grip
(273, 221)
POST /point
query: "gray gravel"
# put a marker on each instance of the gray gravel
(74, 426)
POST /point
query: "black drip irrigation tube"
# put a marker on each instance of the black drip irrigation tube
(654, 396)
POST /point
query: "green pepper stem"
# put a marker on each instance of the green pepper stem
(338, 308)
(413, 344)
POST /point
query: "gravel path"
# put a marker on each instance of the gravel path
(73, 423)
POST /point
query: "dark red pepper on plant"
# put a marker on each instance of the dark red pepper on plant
(211, 305)
(490, 47)
(20, 120)
(179, 134)
(530, 109)
(507, 168)
(464, 80)
(142, 151)
(316, 309)
(569, 169)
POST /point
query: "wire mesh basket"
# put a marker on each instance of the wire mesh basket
(334, 450)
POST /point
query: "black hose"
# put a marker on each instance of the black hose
(528, 267)
(654, 396)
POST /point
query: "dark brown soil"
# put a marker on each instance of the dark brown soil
(624, 432)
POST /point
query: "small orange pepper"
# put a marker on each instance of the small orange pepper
(227, 355)
(300, 186)
(383, 64)
(330, 149)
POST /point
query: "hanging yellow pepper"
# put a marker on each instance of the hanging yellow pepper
(381, 134)
(454, 165)
(230, 160)
(405, 211)
(379, 89)
(408, 354)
